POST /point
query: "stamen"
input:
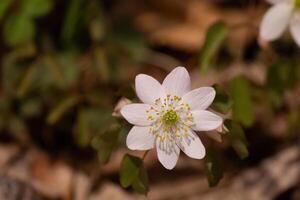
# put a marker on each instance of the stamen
(171, 119)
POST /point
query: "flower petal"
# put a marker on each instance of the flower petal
(275, 21)
(295, 28)
(147, 88)
(139, 138)
(192, 146)
(205, 120)
(201, 98)
(177, 82)
(136, 114)
(168, 160)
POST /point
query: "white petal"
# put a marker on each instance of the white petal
(139, 138)
(205, 120)
(275, 21)
(192, 146)
(295, 28)
(177, 82)
(147, 88)
(168, 160)
(201, 98)
(136, 114)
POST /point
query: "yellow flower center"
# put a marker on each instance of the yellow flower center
(170, 117)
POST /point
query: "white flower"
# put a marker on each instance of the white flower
(282, 14)
(169, 115)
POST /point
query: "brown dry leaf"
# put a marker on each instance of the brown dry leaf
(292, 98)
(188, 34)
(182, 36)
(54, 179)
(12, 189)
(81, 186)
(111, 192)
(278, 127)
(272, 177)
(255, 72)
(7, 152)
(178, 189)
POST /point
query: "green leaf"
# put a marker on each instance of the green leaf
(16, 126)
(130, 169)
(101, 64)
(2, 122)
(222, 102)
(31, 107)
(293, 123)
(104, 144)
(242, 105)
(18, 29)
(213, 169)
(4, 112)
(13, 69)
(26, 81)
(281, 76)
(215, 37)
(95, 18)
(141, 183)
(36, 8)
(61, 108)
(97, 29)
(67, 67)
(55, 69)
(5, 104)
(104, 152)
(237, 138)
(82, 129)
(4, 5)
(130, 40)
(133, 173)
(72, 17)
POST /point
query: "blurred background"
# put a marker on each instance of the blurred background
(66, 66)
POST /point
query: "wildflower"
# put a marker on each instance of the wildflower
(169, 115)
(282, 14)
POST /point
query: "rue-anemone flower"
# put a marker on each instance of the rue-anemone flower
(282, 14)
(169, 116)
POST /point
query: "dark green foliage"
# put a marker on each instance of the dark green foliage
(134, 174)
(237, 138)
(281, 76)
(213, 167)
(215, 37)
(73, 87)
(242, 108)
(222, 102)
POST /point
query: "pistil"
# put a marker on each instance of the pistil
(170, 117)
